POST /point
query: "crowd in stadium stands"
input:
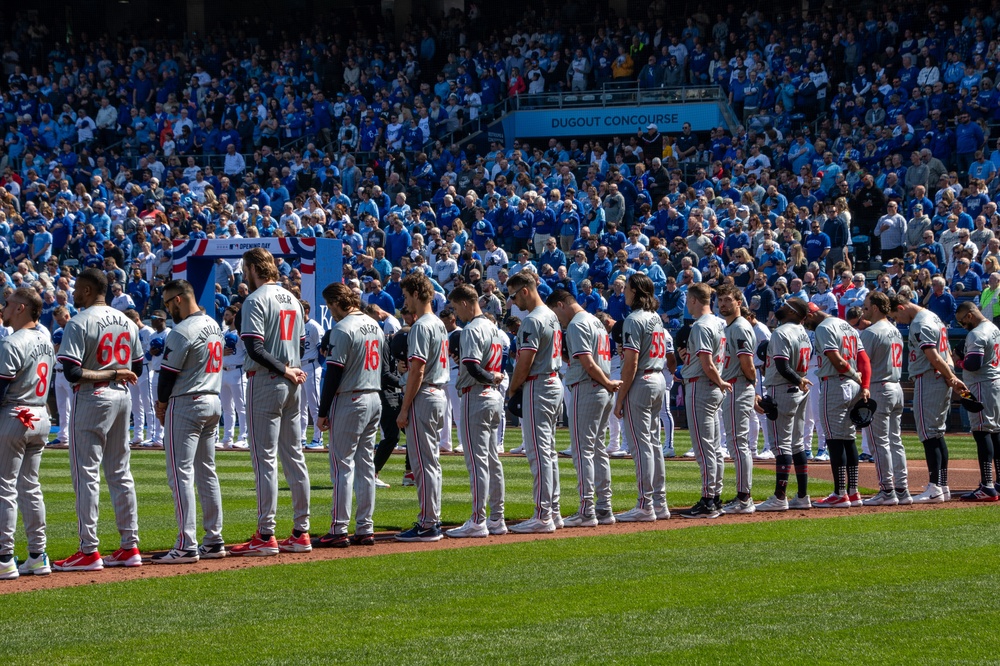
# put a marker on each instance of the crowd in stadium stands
(866, 143)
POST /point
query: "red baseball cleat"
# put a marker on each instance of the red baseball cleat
(833, 501)
(256, 547)
(124, 557)
(293, 544)
(80, 562)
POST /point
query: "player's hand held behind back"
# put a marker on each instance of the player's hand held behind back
(295, 375)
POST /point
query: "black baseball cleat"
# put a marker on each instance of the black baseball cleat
(362, 540)
(331, 541)
(705, 508)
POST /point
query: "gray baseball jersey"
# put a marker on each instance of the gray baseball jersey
(428, 341)
(356, 344)
(643, 333)
(790, 342)
(740, 341)
(26, 359)
(983, 340)
(708, 334)
(585, 335)
(274, 315)
(194, 351)
(100, 338)
(835, 334)
(884, 346)
(927, 332)
(541, 333)
(481, 341)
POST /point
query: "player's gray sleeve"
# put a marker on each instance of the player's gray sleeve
(529, 334)
(826, 339)
(780, 345)
(473, 344)
(74, 343)
(175, 351)
(11, 360)
(419, 342)
(252, 322)
(632, 334)
(340, 346)
(699, 341)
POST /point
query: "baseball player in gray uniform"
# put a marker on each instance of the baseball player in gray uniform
(591, 395)
(350, 408)
(884, 345)
(705, 388)
(312, 366)
(785, 383)
(142, 391)
(26, 360)
(933, 373)
(101, 354)
(845, 375)
(738, 370)
(234, 383)
(539, 358)
(981, 372)
(452, 412)
(188, 405)
(640, 398)
(762, 334)
(64, 390)
(480, 410)
(422, 410)
(154, 358)
(814, 423)
(271, 326)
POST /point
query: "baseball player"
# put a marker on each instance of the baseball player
(640, 398)
(933, 373)
(26, 360)
(141, 393)
(813, 422)
(64, 390)
(845, 377)
(451, 410)
(422, 410)
(539, 358)
(785, 383)
(351, 409)
(702, 375)
(188, 406)
(391, 396)
(591, 392)
(666, 417)
(884, 345)
(617, 446)
(101, 355)
(154, 357)
(981, 372)
(738, 370)
(480, 412)
(759, 424)
(234, 383)
(271, 326)
(312, 366)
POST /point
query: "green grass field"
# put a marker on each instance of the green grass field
(887, 588)
(395, 507)
(860, 589)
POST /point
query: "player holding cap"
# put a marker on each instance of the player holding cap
(884, 345)
(101, 355)
(737, 409)
(981, 372)
(26, 360)
(539, 358)
(351, 409)
(234, 383)
(785, 383)
(312, 366)
(705, 388)
(188, 406)
(933, 373)
(845, 375)
(422, 410)
(640, 397)
(272, 329)
(480, 409)
(591, 396)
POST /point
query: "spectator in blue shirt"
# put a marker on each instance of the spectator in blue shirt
(940, 302)
(552, 255)
(965, 285)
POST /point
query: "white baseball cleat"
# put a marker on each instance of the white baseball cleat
(241, 444)
(605, 517)
(517, 450)
(534, 526)
(36, 566)
(496, 527)
(933, 494)
(469, 530)
(580, 520)
(557, 519)
(662, 513)
(884, 498)
(636, 515)
(946, 491)
(689, 454)
(797, 502)
(903, 497)
(738, 506)
(772, 503)
(764, 455)
(379, 483)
